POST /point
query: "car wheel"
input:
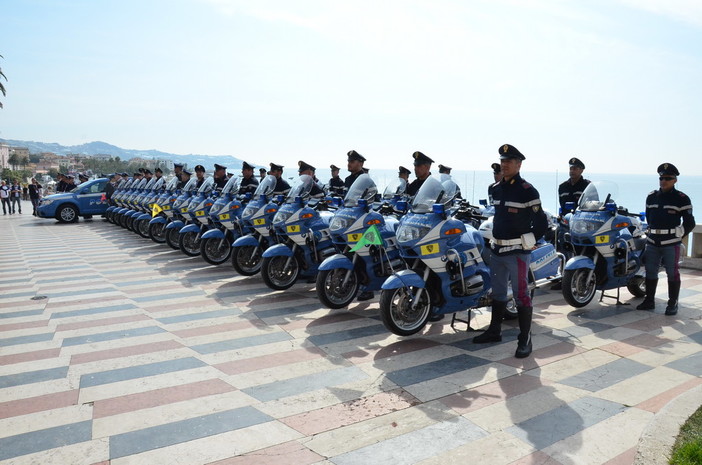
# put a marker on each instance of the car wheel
(67, 214)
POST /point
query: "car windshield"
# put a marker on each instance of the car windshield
(596, 194)
(266, 186)
(362, 188)
(396, 187)
(207, 185)
(232, 185)
(301, 188)
(433, 191)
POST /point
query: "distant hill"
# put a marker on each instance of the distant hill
(96, 148)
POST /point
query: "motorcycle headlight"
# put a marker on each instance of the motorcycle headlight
(585, 226)
(408, 233)
(339, 223)
(249, 212)
(281, 217)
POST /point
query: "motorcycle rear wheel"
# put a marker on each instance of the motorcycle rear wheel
(397, 313)
(189, 244)
(276, 275)
(172, 238)
(577, 290)
(215, 251)
(246, 261)
(332, 292)
(157, 232)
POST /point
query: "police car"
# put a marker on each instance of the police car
(85, 200)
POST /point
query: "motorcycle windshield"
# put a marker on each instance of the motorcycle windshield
(190, 185)
(362, 188)
(433, 191)
(172, 184)
(150, 183)
(232, 185)
(597, 194)
(266, 186)
(396, 187)
(207, 186)
(300, 188)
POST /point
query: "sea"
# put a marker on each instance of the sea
(633, 188)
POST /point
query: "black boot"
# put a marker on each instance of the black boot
(524, 340)
(494, 331)
(673, 293)
(649, 302)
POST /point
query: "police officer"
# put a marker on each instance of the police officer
(519, 221)
(497, 176)
(305, 168)
(70, 183)
(148, 174)
(571, 189)
(281, 187)
(336, 184)
(404, 173)
(184, 177)
(159, 182)
(82, 178)
(220, 176)
(422, 167)
(665, 209)
(61, 184)
(249, 183)
(200, 174)
(262, 173)
(110, 187)
(177, 170)
(354, 164)
(447, 171)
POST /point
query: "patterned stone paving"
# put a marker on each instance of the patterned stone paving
(116, 350)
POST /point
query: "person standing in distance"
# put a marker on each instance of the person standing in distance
(422, 170)
(336, 184)
(665, 209)
(519, 221)
(571, 189)
(354, 164)
(281, 187)
(404, 173)
(249, 183)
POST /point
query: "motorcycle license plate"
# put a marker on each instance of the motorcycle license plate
(200, 213)
(184, 210)
(224, 216)
(354, 237)
(259, 221)
(166, 207)
(294, 228)
(601, 239)
(429, 249)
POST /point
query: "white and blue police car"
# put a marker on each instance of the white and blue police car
(86, 199)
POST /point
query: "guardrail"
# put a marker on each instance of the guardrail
(694, 250)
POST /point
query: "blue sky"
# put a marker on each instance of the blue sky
(615, 83)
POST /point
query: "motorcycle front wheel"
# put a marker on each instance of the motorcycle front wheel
(172, 238)
(637, 286)
(215, 251)
(157, 232)
(142, 227)
(332, 291)
(278, 276)
(397, 313)
(578, 290)
(189, 244)
(246, 260)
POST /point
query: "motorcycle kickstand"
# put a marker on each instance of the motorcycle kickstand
(455, 319)
(618, 302)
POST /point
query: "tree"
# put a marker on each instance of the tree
(24, 161)
(2, 88)
(13, 160)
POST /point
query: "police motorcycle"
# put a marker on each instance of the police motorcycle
(303, 232)
(225, 224)
(154, 190)
(257, 218)
(116, 196)
(123, 215)
(177, 213)
(363, 265)
(120, 200)
(608, 244)
(447, 273)
(139, 207)
(162, 211)
(190, 235)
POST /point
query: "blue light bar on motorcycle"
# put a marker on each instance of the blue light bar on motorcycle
(401, 205)
(611, 207)
(362, 203)
(438, 208)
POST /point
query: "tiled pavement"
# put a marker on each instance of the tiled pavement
(117, 350)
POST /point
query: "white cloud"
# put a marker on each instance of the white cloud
(689, 11)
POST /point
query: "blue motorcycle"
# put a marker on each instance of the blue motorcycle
(179, 211)
(608, 245)
(361, 266)
(189, 236)
(225, 224)
(447, 273)
(303, 231)
(163, 206)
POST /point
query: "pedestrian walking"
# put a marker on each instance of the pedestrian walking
(16, 197)
(5, 198)
(34, 191)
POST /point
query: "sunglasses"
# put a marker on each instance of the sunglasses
(666, 178)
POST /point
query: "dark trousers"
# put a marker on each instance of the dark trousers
(35, 202)
(18, 201)
(8, 208)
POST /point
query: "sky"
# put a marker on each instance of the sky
(615, 83)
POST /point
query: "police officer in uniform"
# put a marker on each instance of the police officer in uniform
(61, 184)
(354, 164)
(220, 176)
(571, 189)
(177, 170)
(403, 173)
(249, 183)
(447, 171)
(665, 209)
(336, 184)
(281, 187)
(160, 182)
(306, 168)
(519, 221)
(262, 173)
(422, 167)
(200, 174)
(497, 176)
(110, 188)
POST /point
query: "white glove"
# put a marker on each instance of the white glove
(679, 231)
(528, 241)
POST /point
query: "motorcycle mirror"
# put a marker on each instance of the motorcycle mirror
(438, 208)
(362, 203)
(642, 216)
(483, 202)
(569, 207)
(611, 207)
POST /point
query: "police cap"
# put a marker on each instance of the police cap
(509, 151)
(177, 165)
(111, 176)
(353, 155)
(496, 168)
(404, 170)
(445, 169)
(137, 174)
(147, 171)
(141, 170)
(304, 167)
(219, 167)
(246, 166)
(124, 175)
(334, 167)
(158, 170)
(261, 170)
(82, 176)
(186, 172)
(668, 169)
(200, 168)
(275, 167)
(577, 163)
(70, 176)
(421, 159)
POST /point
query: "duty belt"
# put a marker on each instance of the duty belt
(507, 241)
(661, 231)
